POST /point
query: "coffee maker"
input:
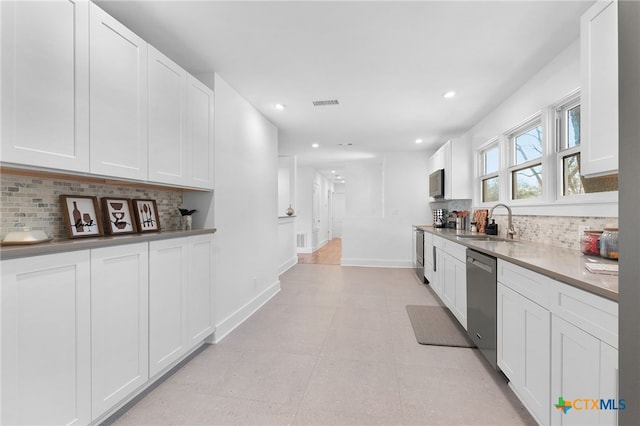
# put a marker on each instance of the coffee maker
(440, 218)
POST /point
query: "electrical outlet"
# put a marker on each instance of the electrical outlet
(581, 230)
(255, 282)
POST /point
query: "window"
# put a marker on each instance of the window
(525, 168)
(567, 114)
(489, 168)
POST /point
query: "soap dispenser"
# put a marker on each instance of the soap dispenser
(492, 228)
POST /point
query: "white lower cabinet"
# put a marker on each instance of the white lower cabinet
(119, 323)
(199, 289)
(438, 265)
(524, 350)
(167, 303)
(46, 365)
(180, 298)
(454, 285)
(558, 341)
(583, 368)
(448, 279)
(84, 331)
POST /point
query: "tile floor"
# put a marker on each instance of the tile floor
(334, 347)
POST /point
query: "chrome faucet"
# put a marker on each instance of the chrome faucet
(510, 231)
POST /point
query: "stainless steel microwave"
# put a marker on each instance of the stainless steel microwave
(436, 184)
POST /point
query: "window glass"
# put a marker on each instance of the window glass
(573, 126)
(527, 182)
(491, 160)
(528, 145)
(490, 189)
(572, 184)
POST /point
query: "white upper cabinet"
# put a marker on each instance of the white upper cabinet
(599, 74)
(118, 98)
(44, 85)
(167, 120)
(200, 134)
(455, 158)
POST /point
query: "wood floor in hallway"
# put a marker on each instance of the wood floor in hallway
(329, 254)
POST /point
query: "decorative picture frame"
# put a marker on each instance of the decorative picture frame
(81, 216)
(146, 214)
(118, 217)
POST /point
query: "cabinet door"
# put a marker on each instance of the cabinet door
(461, 292)
(454, 288)
(45, 93)
(167, 120)
(438, 273)
(200, 288)
(609, 383)
(200, 134)
(118, 103)
(575, 367)
(119, 323)
(524, 344)
(599, 74)
(46, 340)
(167, 303)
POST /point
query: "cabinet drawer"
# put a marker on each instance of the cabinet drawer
(532, 285)
(438, 241)
(594, 314)
(456, 250)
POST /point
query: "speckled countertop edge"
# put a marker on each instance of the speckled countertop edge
(66, 245)
(561, 264)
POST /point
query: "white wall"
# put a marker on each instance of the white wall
(304, 194)
(245, 209)
(287, 254)
(552, 82)
(381, 233)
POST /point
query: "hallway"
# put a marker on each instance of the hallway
(329, 254)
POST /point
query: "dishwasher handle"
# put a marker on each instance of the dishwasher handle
(476, 262)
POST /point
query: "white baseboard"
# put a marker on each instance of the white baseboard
(288, 265)
(230, 323)
(377, 263)
(304, 250)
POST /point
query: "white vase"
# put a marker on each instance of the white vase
(186, 222)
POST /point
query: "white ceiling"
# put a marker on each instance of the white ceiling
(387, 62)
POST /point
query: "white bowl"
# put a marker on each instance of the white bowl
(25, 237)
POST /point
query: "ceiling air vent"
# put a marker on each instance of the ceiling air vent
(328, 102)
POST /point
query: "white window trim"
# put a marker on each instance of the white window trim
(552, 203)
(510, 165)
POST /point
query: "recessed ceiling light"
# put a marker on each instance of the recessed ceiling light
(418, 140)
(280, 107)
(333, 171)
(448, 95)
(337, 176)
(314, 145)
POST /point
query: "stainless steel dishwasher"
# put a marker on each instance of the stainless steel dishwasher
(482, 303)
